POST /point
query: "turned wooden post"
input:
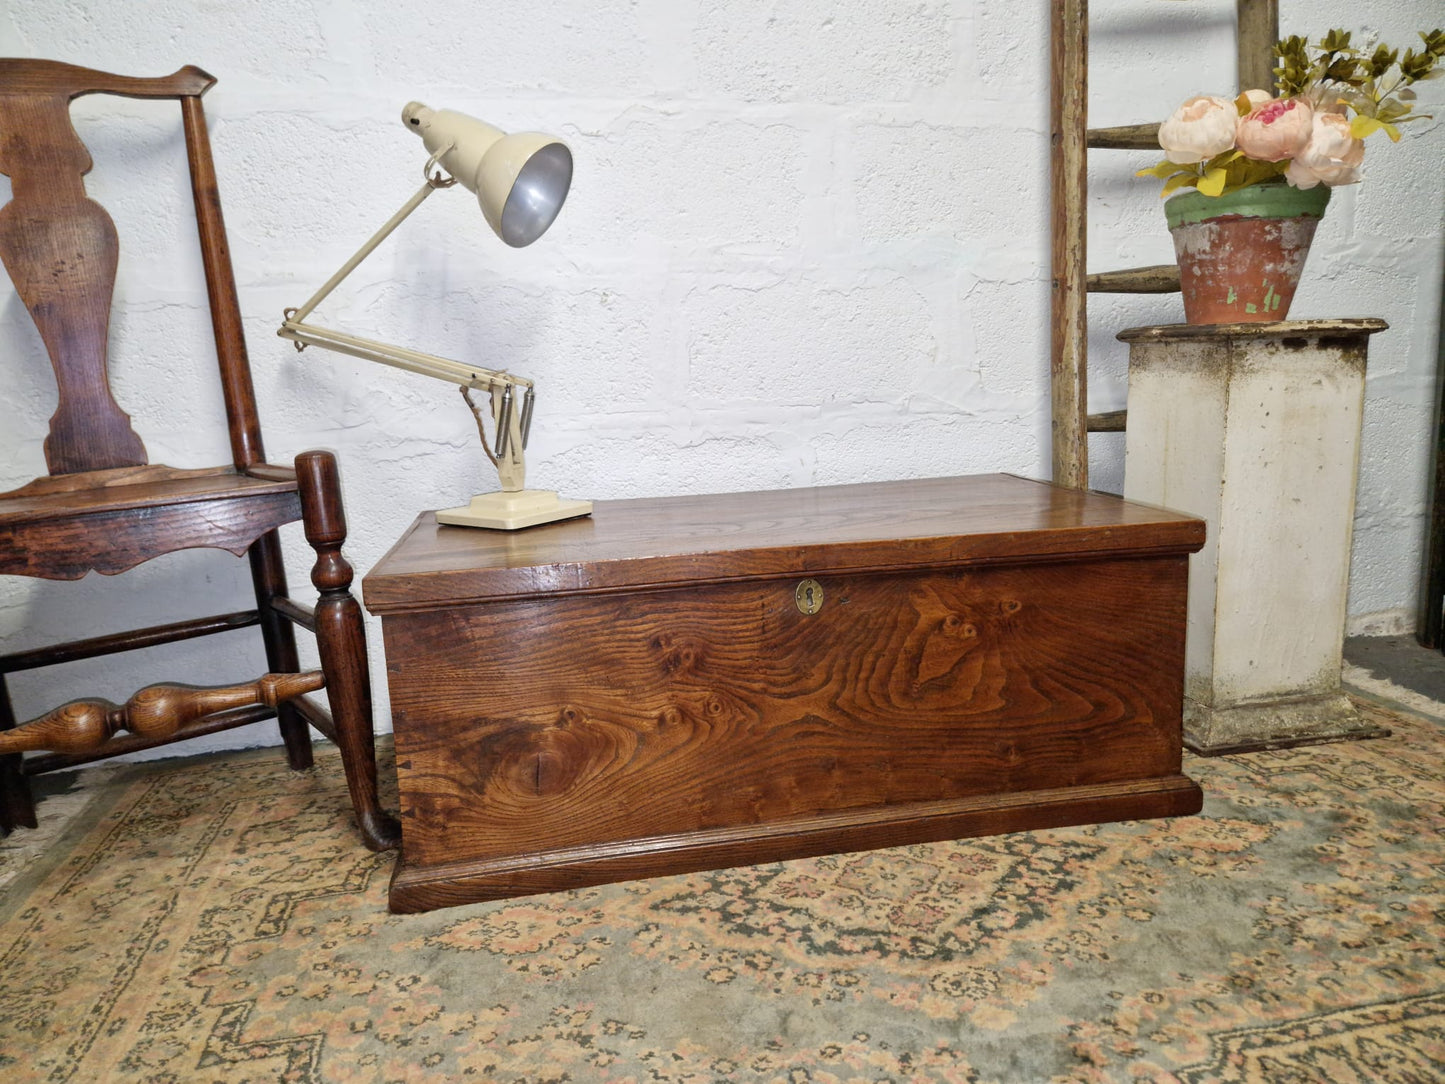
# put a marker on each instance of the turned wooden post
(157, 711)
(341, 639)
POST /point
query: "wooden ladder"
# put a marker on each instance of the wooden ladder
(1257, 32)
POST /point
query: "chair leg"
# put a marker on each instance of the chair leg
(268, 573)
(341, 639)
(17, 804)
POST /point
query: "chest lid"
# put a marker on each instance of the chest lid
(717, 538)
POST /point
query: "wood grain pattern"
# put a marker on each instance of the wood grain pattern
(1126, 137)
(121, 743)
(60, 250)
(416, 888)
(640, 693)
(157, 711)
(1069, 188)
(533, 727)
(142, 486)
(129, 640)
(935, 522)
(1350, 330)
(1110, 421)
(236, 386)
(1256, 32)
(113, 540)
(341, 640)
(1158, 279)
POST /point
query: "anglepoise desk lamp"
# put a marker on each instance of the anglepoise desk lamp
(520, 180)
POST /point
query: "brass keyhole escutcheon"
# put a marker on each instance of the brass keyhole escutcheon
(809, 596)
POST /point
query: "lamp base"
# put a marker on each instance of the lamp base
(512, 511)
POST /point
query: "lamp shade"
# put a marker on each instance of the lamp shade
(520, 179)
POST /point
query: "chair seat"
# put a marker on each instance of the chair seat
(112, 520)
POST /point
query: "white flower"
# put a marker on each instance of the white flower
(1198, 130)
(1331, 156)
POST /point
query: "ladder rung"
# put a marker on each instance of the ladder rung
(1160, 279)
(1109, 422)
(1129, 137)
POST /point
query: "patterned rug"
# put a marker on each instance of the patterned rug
(218, 921)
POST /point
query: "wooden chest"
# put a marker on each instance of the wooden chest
(689, 683)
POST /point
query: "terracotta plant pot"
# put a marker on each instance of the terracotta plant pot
(1240, 255)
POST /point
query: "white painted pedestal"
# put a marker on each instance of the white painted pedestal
(1255, 428)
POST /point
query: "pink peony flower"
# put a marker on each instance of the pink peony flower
(1332, 155)
(1198, 130)
(1276, 130)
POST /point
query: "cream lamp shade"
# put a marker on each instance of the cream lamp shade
(520, 180)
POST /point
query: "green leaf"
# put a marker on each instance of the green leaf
(1383, 60)
(1253, 172)
(1342, 69)
(1163, 170)
(1416, 66)
(1392, 110)
(1176, 182)
(1294, 64)
(1362, 104)
(1362, 126)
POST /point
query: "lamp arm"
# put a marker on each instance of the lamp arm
(362, 253)
(468, 376)
(511, 419)
(303, 334)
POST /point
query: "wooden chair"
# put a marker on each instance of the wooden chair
(104, 508)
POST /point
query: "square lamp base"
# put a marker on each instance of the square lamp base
(512, 511)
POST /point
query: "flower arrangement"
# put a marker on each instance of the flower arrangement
(1329, 98)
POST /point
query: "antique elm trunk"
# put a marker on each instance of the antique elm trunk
(688, 683)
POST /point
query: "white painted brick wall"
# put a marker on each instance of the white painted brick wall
(807, 243)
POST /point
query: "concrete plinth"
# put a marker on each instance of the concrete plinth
(1255, 428)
